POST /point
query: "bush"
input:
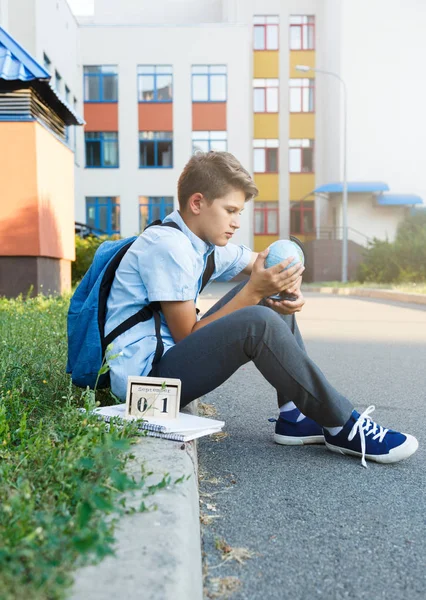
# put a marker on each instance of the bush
(402, 261)
(85, 249)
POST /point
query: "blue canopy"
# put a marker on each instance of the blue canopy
(360, 187)
(16, 63)
(398, 199)
(18, 69)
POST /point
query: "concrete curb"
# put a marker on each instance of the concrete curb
(393, 295)
(158, 553)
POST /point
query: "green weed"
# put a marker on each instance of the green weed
(62, 473)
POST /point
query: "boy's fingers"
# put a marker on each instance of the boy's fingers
(282, 265)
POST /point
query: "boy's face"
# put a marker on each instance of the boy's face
(218, 221)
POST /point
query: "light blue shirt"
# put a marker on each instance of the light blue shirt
(162, 264)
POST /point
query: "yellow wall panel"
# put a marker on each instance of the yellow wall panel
(266, 64)
(302, 126)
(266, 125)
(263, 241)
(301, 184)
(267, 184)
(302, 57)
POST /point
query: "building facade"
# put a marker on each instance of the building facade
(157, 81)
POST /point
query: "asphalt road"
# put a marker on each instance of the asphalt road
(320, 525)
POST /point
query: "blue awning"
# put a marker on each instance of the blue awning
(16, 63)
(354, 187)
(398, 199)
(18, 70)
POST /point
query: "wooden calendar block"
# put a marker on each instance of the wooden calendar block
(153, 397)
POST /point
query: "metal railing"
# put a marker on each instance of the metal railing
(84, 230)
(336, 233)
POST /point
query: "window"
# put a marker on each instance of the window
(205, 141)
(266, 218)
(101, 84)
(46, 62)
(152, 208)
(101, 149)
(265, 156)
(155, 83)
(302, 95)
(58, 82)
(265, 95)
(265, 32)
(155, 149)
(103, 213)
(301, 156)
(302, 33)
(209, 83)
(301, 217)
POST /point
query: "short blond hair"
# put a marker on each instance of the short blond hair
(214, 174)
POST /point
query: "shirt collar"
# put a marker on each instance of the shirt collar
(200, 246)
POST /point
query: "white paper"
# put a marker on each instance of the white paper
(185, 423)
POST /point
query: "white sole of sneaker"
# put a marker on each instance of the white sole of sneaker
(287, 440)
(395, 455)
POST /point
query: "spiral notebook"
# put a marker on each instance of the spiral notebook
(183, 429)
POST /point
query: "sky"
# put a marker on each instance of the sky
(81, 7)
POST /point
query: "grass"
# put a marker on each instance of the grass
(62, 473)
(413, 288)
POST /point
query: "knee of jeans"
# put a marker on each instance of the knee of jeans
(263, 314)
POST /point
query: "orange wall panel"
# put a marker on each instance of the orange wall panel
(19, 231)
(55, 186)
(101, 116)
(156, 116)
(209, 116)
(36, 193)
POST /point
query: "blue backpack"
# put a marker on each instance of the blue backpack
(87, 342)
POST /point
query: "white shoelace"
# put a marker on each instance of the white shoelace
(366, 426)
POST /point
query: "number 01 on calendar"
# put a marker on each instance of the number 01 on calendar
(153, 397)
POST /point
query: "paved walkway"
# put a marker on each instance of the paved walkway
(319, 524)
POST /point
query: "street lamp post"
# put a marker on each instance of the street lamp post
(306, 68)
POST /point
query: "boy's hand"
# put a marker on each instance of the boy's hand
(287, 307)
(266, 282)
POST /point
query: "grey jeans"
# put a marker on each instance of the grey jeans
(210, 355)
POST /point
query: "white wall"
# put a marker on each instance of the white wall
(367, 217)
(164, 12)
(383, 50)
(181, 47)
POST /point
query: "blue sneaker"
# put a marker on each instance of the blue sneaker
(363, 437)
(291, 432)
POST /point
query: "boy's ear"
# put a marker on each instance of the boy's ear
(194, 203)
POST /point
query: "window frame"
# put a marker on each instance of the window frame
(100, 76)
(266, 87)
(301, 148)
(310, 86)
(209, 139)
(165, 203)
(302, 26)
(302, 208)
(102, 141)
(265, 209)
(155, 75)
(265, 27)
(209, 75)
(156, 141)
(110, 202)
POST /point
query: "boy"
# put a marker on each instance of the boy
(165, 265)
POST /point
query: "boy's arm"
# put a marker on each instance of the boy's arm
(248, 269)
(181, 317)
